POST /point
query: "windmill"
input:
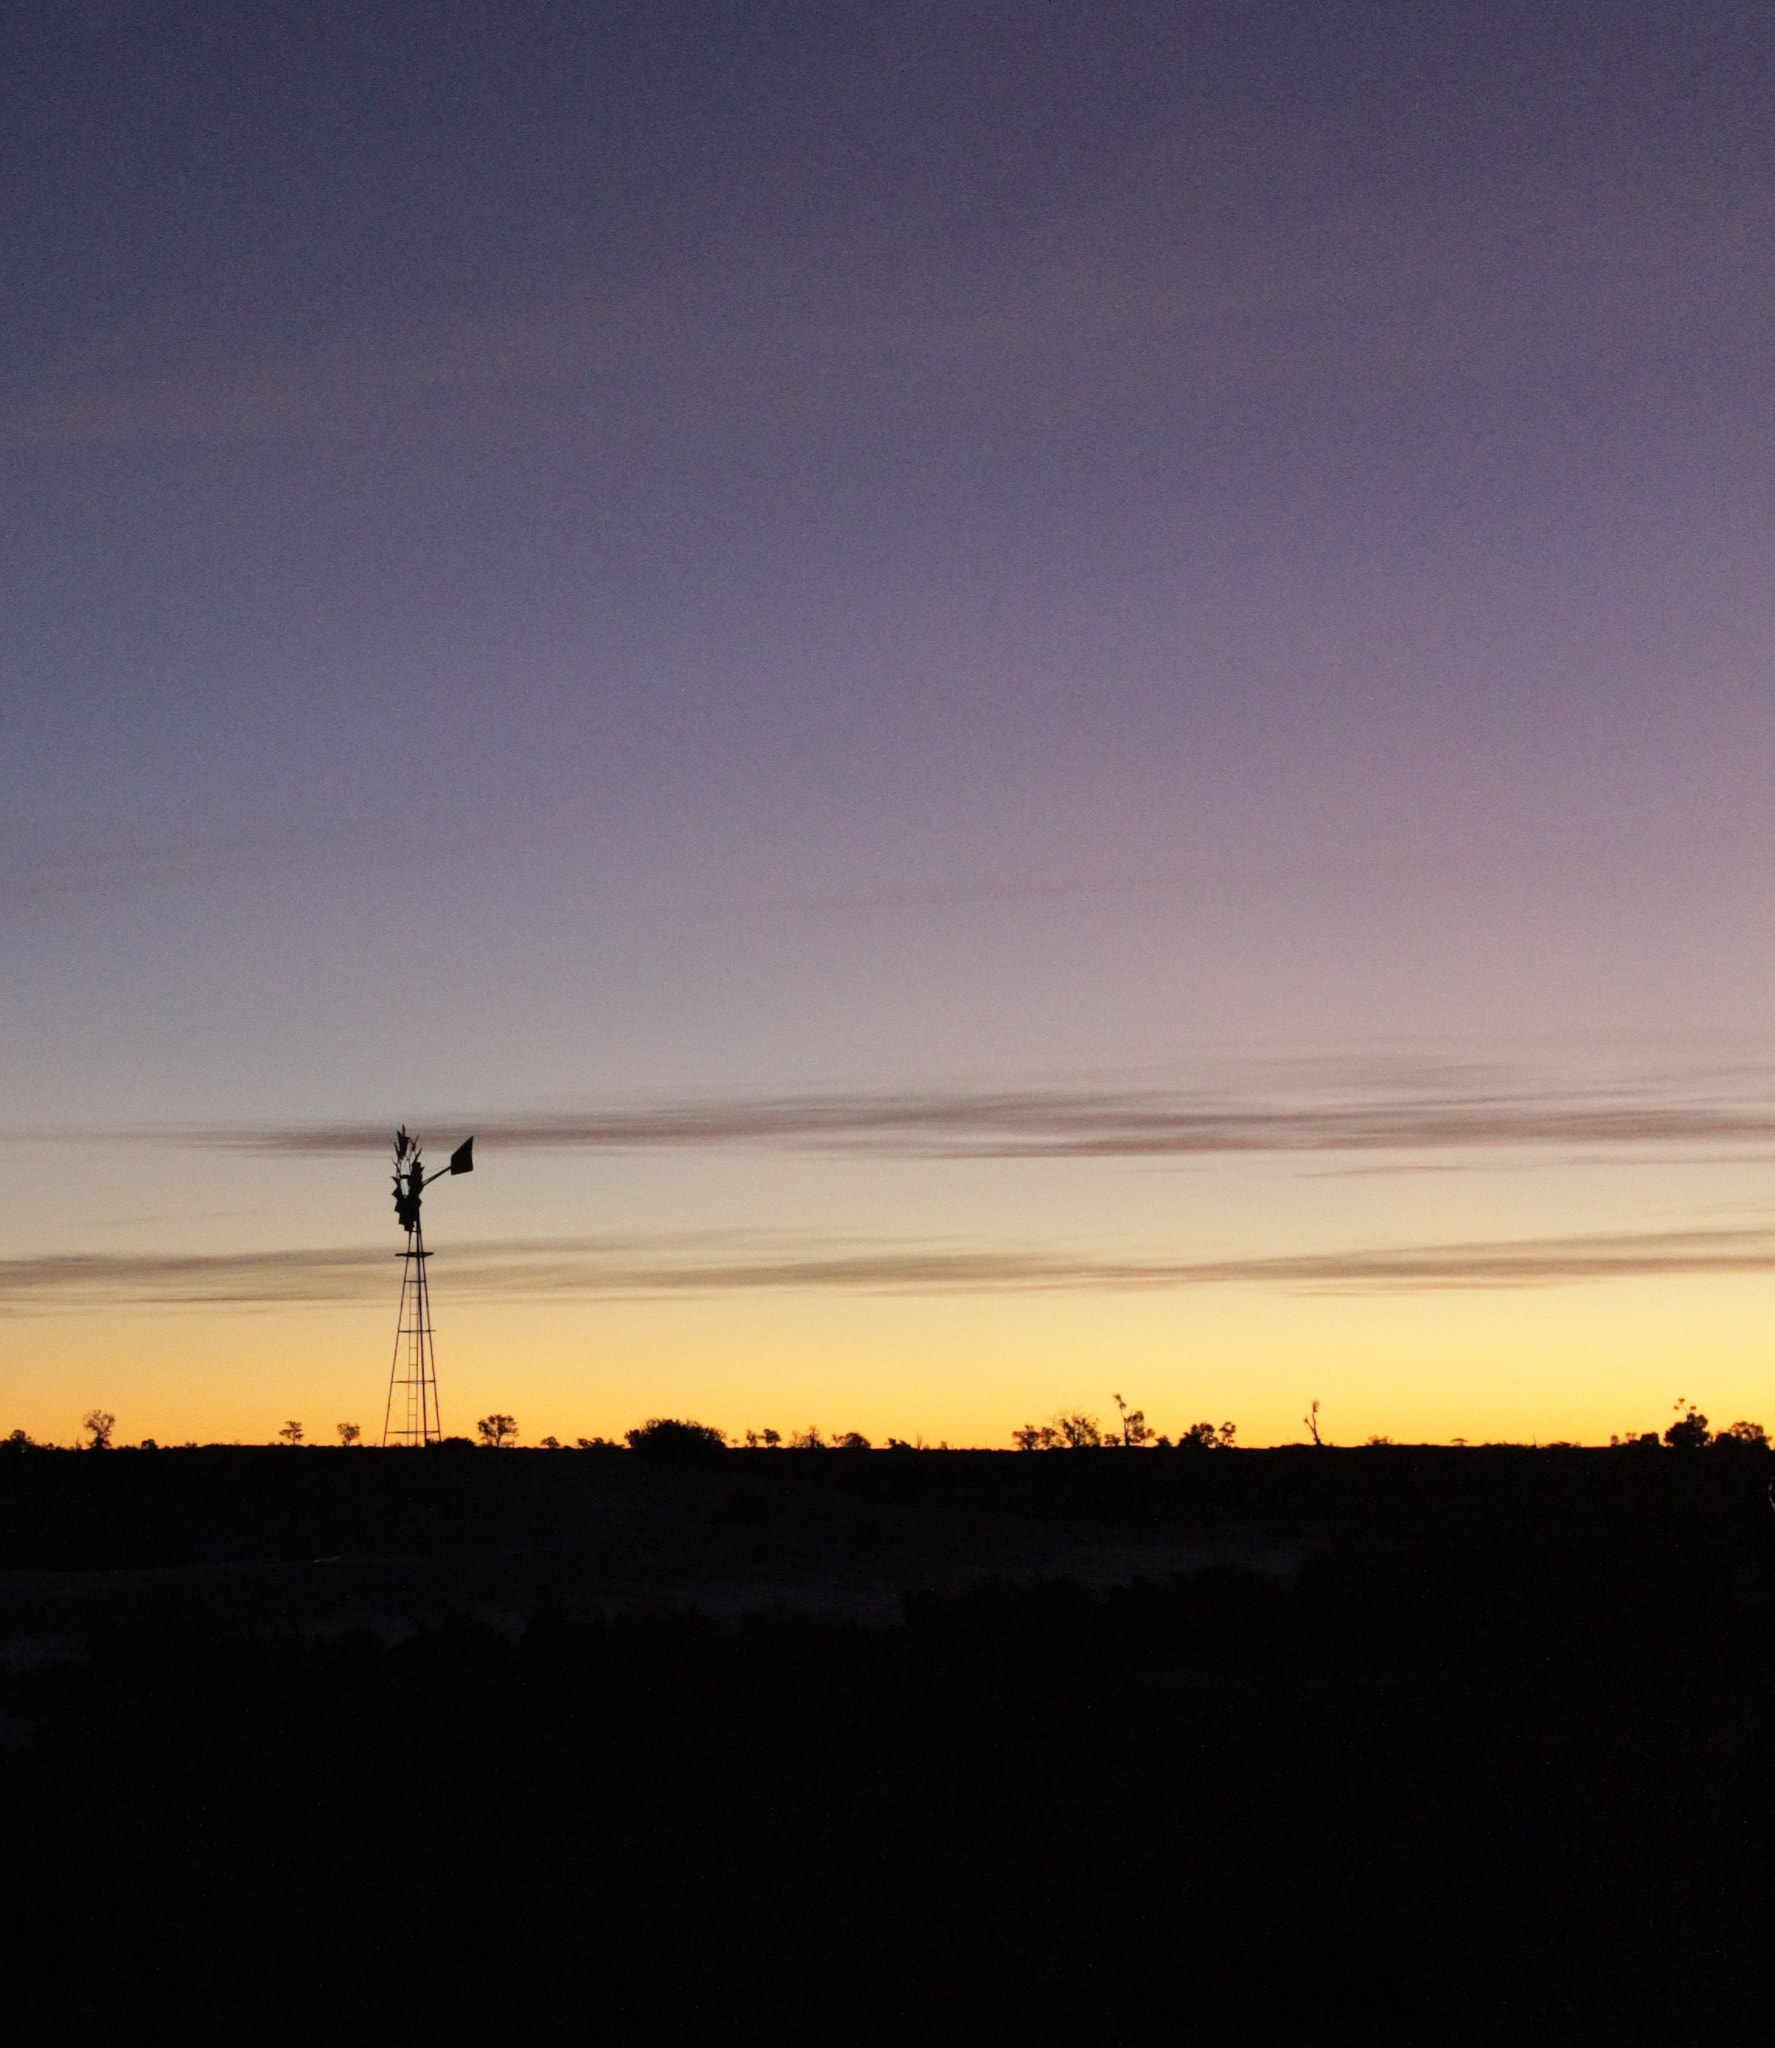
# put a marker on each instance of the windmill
(414, 1375)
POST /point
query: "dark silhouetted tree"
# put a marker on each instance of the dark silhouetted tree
(1311, 1419)
(1689, 1432)
(497, 1431)
(291, 1433)
(349, 1433)
(1751, 1434)
(98, 1424)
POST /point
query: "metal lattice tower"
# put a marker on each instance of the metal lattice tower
(411, 1414)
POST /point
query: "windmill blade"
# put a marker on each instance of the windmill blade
(462, 1160)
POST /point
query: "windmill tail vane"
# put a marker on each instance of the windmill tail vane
(411, 1414)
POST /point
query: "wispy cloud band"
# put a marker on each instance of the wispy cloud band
(540, 1269)
(1462, 1113)
(55, 862)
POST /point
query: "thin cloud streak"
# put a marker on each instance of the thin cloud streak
(1469, 1112)
(72, 869)
(53, 864)
(557, 1268)
(1087, 888)
(784, 329)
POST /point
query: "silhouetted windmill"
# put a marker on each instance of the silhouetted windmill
(414, 1374)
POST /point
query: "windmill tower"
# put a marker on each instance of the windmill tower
(411, 1416)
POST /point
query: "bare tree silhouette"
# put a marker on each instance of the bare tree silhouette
(1136, 1430)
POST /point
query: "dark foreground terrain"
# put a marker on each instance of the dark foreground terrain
(1218, 1747)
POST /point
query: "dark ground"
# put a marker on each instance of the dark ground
(1219, 1747)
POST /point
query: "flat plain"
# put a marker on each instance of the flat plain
(1219, 1746)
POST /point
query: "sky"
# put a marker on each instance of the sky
(1023, 702)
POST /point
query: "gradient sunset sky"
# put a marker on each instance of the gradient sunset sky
(1023, 701)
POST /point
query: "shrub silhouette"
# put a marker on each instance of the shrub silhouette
(1205, 1436)
(677, 1443)
(1074, 1432)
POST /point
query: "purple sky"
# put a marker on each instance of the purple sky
(558, 556)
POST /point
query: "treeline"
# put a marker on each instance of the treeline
(675, 1440)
